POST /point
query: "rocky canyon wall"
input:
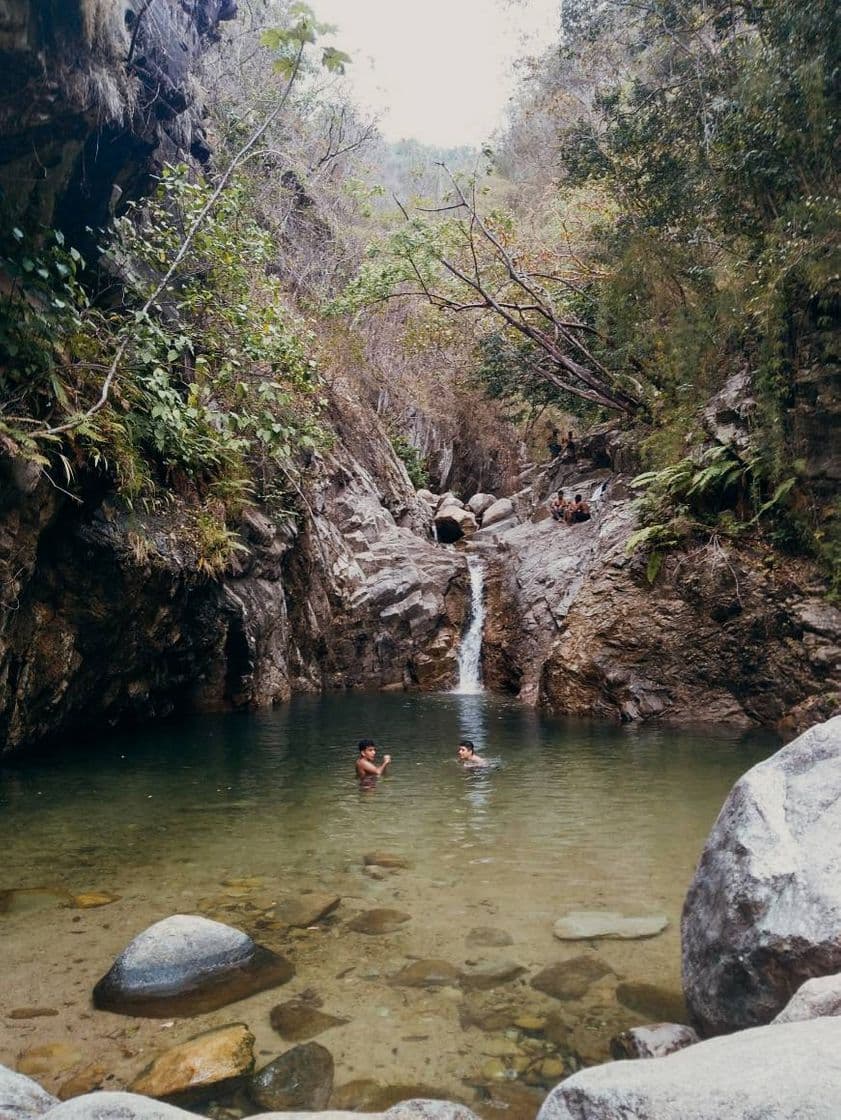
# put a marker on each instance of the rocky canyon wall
(106, 616)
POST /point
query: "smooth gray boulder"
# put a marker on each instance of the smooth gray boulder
(763, 912)
(655, 1040)
(501, 510)
(790, 1072)
(479, 503)
(449, 499)
(185, 965)
(592, 925)
(813, 1000)
(21, 1097)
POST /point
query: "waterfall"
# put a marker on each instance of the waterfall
(470, 654)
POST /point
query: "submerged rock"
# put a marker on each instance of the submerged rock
(302, 1078)
(378, 921)
(426, 974)
(298, 1020)
(491, 975)
(20, 900)
(384, 859)
(90, 900)
(186, 965)
(591, 925)
(568, 980)
(653, 1001)
(48, 1058)
(206, 1061)
(84, 1080)
(655, 1040)
(488, 936)
(775, 1073)
(763, 912)
(21, 1098)
(306, 909)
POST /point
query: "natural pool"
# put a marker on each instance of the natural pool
(228, 815)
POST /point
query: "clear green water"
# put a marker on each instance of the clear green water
(573, 816)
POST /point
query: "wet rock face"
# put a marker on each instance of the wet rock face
(104, 618)
(763, 912)
(186, 965)
(95, 95)
(574, 625)
(770, 1072)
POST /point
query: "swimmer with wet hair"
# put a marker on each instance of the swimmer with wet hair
(467, 755)
(365, 764)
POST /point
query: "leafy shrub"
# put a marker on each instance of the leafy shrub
(412, 460)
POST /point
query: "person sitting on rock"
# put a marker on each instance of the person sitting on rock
(555, 446)
(365, 765)
(467, 755)
(579, 510)
(558, 506)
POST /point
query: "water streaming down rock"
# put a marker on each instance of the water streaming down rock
(470, 654)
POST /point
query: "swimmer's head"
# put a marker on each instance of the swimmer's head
(466, 748)
(366, 745)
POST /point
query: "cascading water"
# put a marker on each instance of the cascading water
(470, 654)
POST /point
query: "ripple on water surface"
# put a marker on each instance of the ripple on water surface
(229, 815)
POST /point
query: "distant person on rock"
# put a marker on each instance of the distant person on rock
(579, 510)
(558, 506)
(467, 756)
(366, 768)
(555, 446)
(569, 449)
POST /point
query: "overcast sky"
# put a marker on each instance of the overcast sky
(437, 70)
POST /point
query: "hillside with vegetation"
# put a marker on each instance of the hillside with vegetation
(201, 317)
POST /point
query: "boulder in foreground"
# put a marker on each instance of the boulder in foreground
(763, 913)
(776, 1073)
(21, 1098)
(186, 965)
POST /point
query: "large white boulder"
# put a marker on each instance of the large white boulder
(130, 1106)
(813, 1000)
(21, 1098)
(790, 1072)
(763, 912)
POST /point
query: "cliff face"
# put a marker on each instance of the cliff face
(94, 96)
(105, 618)
(723, 634)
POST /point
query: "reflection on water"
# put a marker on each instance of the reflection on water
(572, 816)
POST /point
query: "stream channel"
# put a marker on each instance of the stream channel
(227, 815)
